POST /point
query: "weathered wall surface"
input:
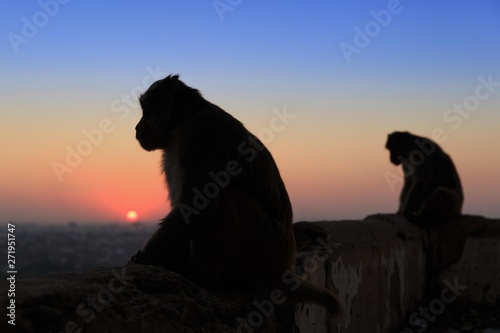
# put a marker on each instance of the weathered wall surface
(479, 266)
(390, 274)
(382, 269)
(376, 270)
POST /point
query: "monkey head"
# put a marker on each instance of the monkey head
(158, 114)
(399, 144)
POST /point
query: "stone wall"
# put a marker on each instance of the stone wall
(385, 270)
(382, 269)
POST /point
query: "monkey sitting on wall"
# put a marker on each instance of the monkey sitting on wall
(432, 191)
(231, 218)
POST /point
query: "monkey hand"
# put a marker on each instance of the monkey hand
(136, 258)
(146, 257)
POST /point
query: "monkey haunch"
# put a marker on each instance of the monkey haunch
(231, 218)
(432, 190)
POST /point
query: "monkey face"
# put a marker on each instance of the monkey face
(149, 133)
(153, 129)
(394, 158)
(395, 152)
(398, 144)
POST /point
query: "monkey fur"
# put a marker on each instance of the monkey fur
(231, 219)
(432, 190)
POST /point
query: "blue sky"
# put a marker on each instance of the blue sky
(277, 39)
(285, 45)
(262, 55)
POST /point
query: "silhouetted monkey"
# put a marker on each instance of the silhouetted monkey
(432, 190)
(231, 218)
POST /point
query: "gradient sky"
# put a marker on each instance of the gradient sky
(78, 66)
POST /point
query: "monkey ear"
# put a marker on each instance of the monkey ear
(175, 83)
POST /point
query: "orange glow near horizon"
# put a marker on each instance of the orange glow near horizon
(332, 162)
(132, 216)
(329, 175)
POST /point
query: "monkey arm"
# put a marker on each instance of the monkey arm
(403, 198)
(169, 245)
(414, 199)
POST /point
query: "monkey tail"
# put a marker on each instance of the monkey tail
(310, 293)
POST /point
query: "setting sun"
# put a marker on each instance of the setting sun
(131, 216)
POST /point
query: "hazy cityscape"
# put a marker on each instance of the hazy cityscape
(43, 249)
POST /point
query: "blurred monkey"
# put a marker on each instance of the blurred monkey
(432, 190)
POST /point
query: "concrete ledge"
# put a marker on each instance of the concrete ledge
(376, 270)
(382, 268)
(479, 265)
(134, 298)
